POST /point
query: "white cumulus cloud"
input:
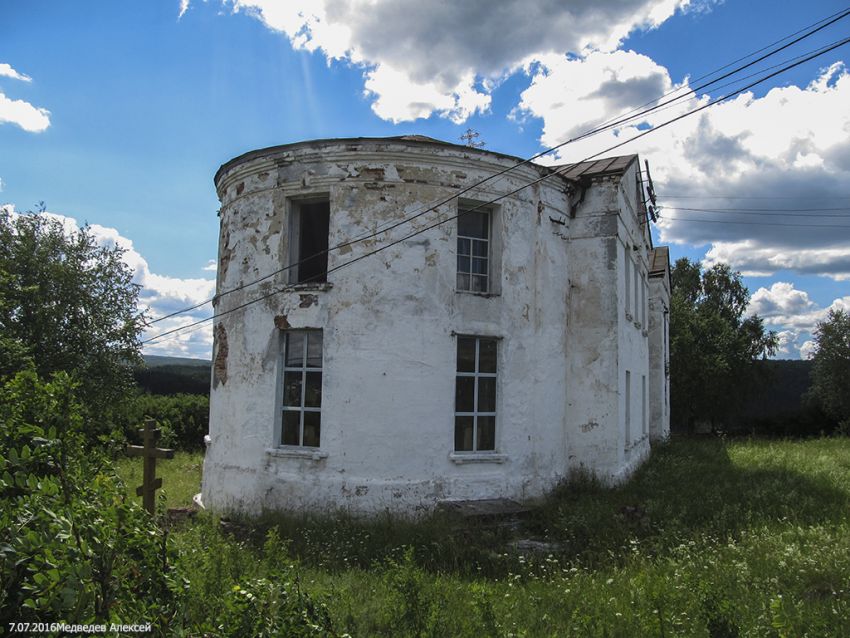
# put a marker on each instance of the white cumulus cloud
(807, 350)
(30, 118)
(7, 71)
(780, 161)
(421, 58)
(787, 342)
(790, 311)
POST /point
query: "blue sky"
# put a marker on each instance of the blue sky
(119, 114)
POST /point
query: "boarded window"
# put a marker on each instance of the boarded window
(475, 395)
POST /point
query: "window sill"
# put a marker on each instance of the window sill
(321, 286)
(310, 454)
(486, 295)
(461, 458)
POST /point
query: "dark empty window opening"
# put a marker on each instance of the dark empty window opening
(311, 257)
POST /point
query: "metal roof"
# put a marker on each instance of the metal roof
(596, 168)
(659, 261)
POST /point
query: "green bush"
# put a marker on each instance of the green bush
(73, 548)
(183, 418)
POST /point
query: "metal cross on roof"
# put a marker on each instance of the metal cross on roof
(469, 138)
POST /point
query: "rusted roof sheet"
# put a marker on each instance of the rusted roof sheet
(597, 168)
(659, 261)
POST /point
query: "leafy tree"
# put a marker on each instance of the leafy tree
(713, 345)
(831, 368)
(68, 304)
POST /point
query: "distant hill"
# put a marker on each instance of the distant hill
(173, 375)
(155, 361)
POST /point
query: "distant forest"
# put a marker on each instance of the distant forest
(780, 406)
(173, 375)
(777, 407)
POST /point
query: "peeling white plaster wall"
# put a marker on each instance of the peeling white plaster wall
(389, 324)
(659, 358)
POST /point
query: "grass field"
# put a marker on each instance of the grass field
(181, 477)
(710, 538)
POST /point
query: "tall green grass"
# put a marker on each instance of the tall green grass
(181, 477)
(709, 538)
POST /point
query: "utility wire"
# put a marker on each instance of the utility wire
(499, 198)
(744, 223)
(610, 124)
(783, 197)
(767, 210)
(829, 21)
(683, 99)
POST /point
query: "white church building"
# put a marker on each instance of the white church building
(402, 321)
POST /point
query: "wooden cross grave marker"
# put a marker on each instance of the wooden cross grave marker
(150, 453)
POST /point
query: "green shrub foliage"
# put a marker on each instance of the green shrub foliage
(73, 548)
(183, 418)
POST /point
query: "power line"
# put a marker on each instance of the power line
(829, 21)
(783, 197)
(609, 124)
(674, 102)
(499, 198)
(189, 330)
(745, 223)
(772, 211)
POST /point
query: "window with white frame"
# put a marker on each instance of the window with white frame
(628, 282)
(475, 395)
(301, 417)
(473, 250)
